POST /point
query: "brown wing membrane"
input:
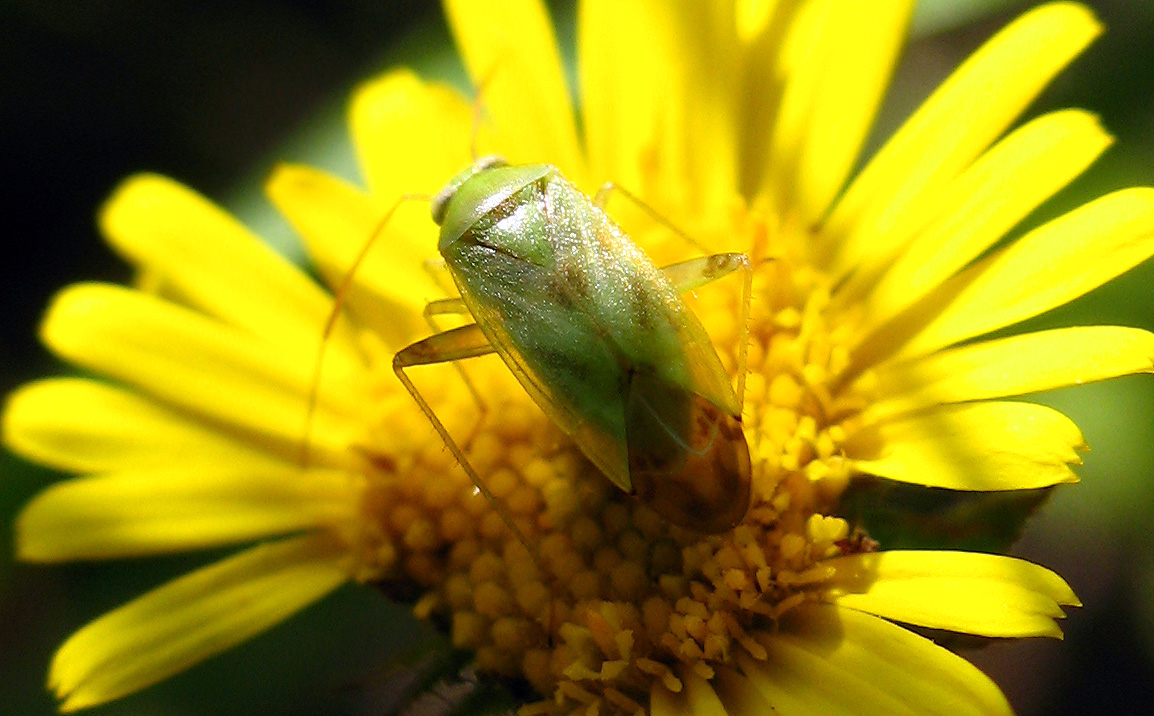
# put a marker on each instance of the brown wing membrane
(688, 459)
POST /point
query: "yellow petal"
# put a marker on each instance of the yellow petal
(988, 199)
(192, 618)
(235, 379)
(336, 221)
(620, 71)
(753, 17)
(835, 85)
(511, 53)
(660, 105)
(985, 594)
(1048, 267)
(959, 120)
(411, 136)
(829, 660)
(767, 65)
(211, 261)
(980, 446)
(698, 134)
(1016, 365)
(175, 509)
(86, 426)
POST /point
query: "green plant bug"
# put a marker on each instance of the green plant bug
(597, 335)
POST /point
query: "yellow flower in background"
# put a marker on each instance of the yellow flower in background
(871, 297)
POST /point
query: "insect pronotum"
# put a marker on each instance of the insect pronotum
(596, 334)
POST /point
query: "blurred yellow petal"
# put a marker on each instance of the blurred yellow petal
(956, 124)
(336, 221)
(621, 73)
(698, 134)
(753, 16)
(980, 446)
(85, 426)
(130, 514)
(510, 51)
(208, 259)
(192, 618)
(1073, 254)
(659, 105)
(984, 202)
(146, 342)
(986, 594)
(762, 27)
(411, 136)
(838, 77)
(1016, 365)
(830, 660)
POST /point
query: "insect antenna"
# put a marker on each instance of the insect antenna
(340, 298)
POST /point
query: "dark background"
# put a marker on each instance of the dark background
(214, 93)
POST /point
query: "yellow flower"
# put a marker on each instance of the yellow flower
(867, 355)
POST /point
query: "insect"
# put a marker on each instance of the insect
(596, 334)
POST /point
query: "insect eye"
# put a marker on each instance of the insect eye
(441, 200)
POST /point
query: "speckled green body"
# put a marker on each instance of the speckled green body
(595, 333)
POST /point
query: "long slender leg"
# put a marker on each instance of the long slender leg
(602, 198)
(455, 344)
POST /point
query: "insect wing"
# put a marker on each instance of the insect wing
(552, 350)
(662, 331)
(688, 459)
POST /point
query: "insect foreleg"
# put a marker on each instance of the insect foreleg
(602, 198)
(694, 273)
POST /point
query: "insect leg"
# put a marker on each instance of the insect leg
(444, 307)
(602, 198)
(697, 272)
(455, 344)
(454, 307)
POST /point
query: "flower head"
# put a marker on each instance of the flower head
(866, 355)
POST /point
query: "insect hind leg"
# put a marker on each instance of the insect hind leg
(601, 198)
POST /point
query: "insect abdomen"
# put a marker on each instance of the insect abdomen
(687, 458)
